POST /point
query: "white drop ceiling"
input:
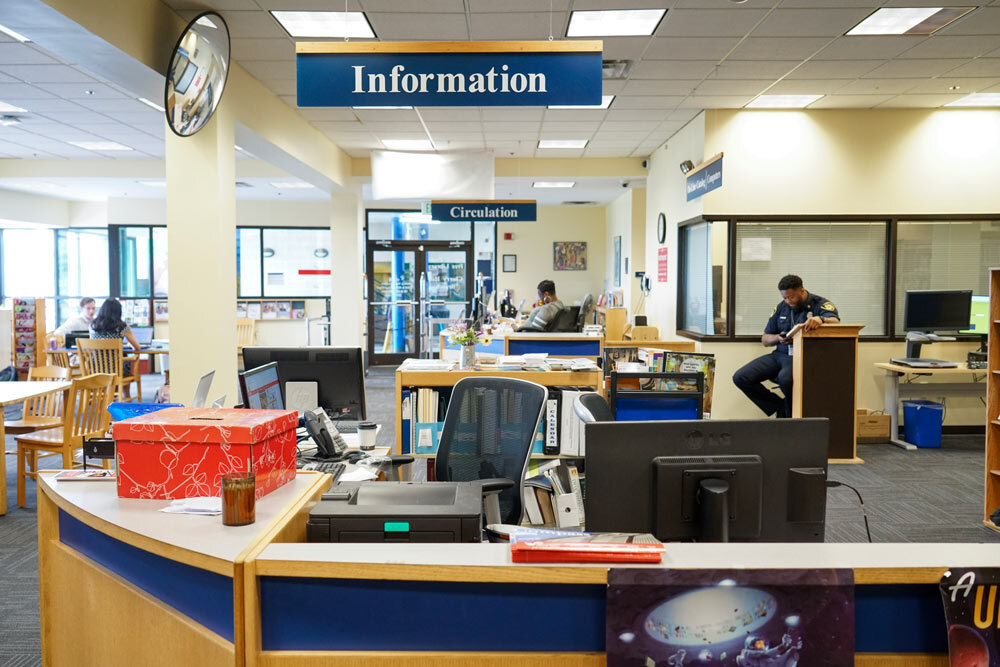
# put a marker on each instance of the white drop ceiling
(705, 54)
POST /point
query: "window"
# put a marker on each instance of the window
(414, 226)
(160, 276)
(704, 254)
(81, 269)
(133, 261)
(842, 261)
(248, 261)
(29, 263)
(944, 255)
(296, 262)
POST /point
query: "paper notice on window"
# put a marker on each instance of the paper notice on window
(277, 279)
(755, 249)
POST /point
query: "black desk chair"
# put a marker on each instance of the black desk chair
(487, 435)
(591, 407)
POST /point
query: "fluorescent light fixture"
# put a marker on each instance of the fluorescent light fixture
(381, 107)
(292, 185)
(562, 143)
(977, 100)
(324, 24)
(606, 101)
(908, 20)
(414, 217)
(10, 108)
(100, 145)
(150, 103)
(553, 184)
(153, 184)
(7, 121)
(16, 35)
(782, 101)
(614, 22)
(207, 22)
(408, 144)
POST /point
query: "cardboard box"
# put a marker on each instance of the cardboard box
(183, 452)
(872, 426)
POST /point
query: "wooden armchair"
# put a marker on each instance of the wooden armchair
(85, 415)
(42, 411)
(246, 332)
(104, 355)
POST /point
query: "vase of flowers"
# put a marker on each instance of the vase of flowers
(464, 335)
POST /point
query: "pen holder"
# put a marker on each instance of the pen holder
(238, 498)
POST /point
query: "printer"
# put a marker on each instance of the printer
(398, 512)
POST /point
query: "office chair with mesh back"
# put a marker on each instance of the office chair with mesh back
(487, 435)
(591, 407)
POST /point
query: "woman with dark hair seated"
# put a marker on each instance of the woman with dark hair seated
(109, 324)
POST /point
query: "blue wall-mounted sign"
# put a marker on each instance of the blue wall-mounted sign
(704, 178)
(521, 210)
(427, 74)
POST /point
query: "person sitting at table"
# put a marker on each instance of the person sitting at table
(547, 310)
(82, 321)
(109, 324)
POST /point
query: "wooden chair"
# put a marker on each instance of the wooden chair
(104, 355)
(61, 359)
(85, 416)
(246, 332)
(42, 411)
(645, 333)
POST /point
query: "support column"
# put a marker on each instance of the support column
(347, 307)
(201, 258)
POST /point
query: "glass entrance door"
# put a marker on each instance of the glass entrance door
(415, 290)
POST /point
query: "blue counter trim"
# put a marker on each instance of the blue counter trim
(424, 616)
(205, 597)
(576, 348)
(429, 616)
(495, 346)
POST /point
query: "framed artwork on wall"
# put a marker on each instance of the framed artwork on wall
(510, 263)
(569, 256)
(160, 312)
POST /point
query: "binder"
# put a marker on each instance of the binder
(552, 422)
(404, 436)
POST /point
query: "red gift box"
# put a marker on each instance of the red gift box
(183, 452)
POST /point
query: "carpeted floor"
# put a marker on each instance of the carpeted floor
(922, 496)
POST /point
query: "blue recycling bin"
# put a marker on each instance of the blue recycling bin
(922, 423)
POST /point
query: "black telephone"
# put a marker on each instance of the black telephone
(329, 443)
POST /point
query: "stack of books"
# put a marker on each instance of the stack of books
(534, 545)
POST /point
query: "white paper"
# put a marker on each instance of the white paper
(209, 505)
(757, 249)
(359, 474)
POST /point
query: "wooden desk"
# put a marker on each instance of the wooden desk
(970, 382)
(18, 392)
(672, 345)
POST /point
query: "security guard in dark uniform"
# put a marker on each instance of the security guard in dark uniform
(797, 307)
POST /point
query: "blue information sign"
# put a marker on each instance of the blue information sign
(705, 178)
(506, 211)
(335, 74)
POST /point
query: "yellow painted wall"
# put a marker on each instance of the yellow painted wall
(532, 244)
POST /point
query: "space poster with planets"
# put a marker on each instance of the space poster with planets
(971, 610)
(744, 618)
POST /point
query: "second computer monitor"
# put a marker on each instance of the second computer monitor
(337, 371)
(261, 389)
(936, 310)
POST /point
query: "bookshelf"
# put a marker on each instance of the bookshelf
(29, 334)
(992, 494)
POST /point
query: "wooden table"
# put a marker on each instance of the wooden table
(18, 392)
(968, 386)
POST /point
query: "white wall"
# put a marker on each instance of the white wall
(21, 207)
(532, 244)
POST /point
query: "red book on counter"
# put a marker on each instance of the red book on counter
(529, 545)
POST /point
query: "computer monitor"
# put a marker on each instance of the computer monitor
(260, 388)
(337, 371)
(143, 335)
(979, 316)
(70, 338)
(936, 310)
(761, 480)
(201, 393)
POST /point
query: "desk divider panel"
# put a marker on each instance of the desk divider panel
(562, 348)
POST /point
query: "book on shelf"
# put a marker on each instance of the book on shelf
(535, 545)
(86, 476)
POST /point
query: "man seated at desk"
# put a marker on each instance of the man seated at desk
(547, 310)
(81, 322)
(797, 307)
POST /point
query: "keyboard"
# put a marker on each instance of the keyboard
(334, 468)
(346, 427)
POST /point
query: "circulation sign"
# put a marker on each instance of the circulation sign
(500, 211)
(706, 177)
(452, 74)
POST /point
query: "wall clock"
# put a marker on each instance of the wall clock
(661, 228)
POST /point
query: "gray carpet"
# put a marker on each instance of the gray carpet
(922, 496)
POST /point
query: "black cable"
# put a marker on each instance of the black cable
(831, 484)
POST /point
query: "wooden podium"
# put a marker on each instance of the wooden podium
(825, 383)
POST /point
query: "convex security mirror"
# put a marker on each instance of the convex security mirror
(198, 70)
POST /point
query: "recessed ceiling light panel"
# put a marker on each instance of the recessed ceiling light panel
(100, 145)
(908, 20)
(782, 101)
(325, 24)
(606, 101)
(977, 100)
(10, 108)
(614, 22)
(553, 184)
(562, 143)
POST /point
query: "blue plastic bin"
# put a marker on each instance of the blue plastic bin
(922, 423)
(120, 411)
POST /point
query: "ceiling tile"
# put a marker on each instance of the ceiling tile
(450, 113)
(628, 126)
(23, 91)
(513, 113)
(813, 4)
(683, 115)
(690, 48)
(869, 47)
(648, 102)
(942, 85)
(810, 22)
(620, 137)
(253, 24)
(306, 5)
(387, 115)
(394, 127)
(45, 106)
(724, 4)
(511, 127)
(943, 46)
(516, 25)
(716, 102)
(586, 128)
(271, 69)
(672, 69)
(47, 73)
(635, 114)
(454, 126)
(327, 114)
(984, 21)
(619, 4)
(15, 53)
(88, 91)
(719, 87)
(777, 48)
(806, 86)
(878, 86)
(624, 48)
(612, 86)
(833, 69)
(654, 87)
(709, 22)
(921, 101)
(285, 87)
(218, 5)
(901, 69)
(76, 117)
(114, 106)
(765, 69)
(849, 101)
(412, 27)
(579, 114)
(980, 67)
(402, 6)
(340, 126)
(245, 50)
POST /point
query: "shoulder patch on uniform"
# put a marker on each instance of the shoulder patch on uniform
(827, 305)
(774, 311)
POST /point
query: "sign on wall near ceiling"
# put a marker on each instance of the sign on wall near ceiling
(512, 210)
(426, 74)
(704, 178)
